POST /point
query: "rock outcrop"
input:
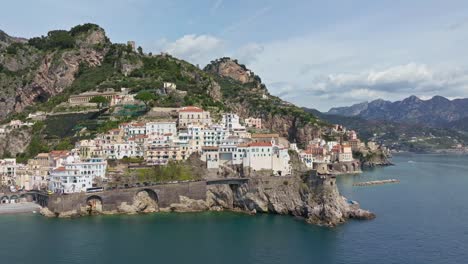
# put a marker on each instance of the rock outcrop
(317, 200)
(31, 75)
(15, 141)
(227, 67)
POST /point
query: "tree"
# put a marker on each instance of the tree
(100, 101)
(64, 144)
(140, 50)
(146, 97)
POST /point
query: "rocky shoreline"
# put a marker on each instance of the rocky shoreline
(315, 199)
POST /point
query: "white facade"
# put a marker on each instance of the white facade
(77, 176)
(232, 122)
(161, 128)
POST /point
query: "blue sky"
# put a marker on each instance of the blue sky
(313, 53)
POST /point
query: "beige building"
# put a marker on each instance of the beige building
(160, 154)
(192, 115)
(267, 138)
(83, 98)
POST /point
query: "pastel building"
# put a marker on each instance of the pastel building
(253, 122)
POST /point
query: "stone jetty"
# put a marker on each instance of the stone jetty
(368, 183)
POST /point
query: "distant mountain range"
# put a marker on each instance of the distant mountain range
(411, 124)
(437, 112)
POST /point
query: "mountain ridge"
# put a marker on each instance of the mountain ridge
(436, 112)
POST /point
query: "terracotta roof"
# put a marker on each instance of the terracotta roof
(60, 169)
(190, 109)
(168, 134)
(265, 135)
(260, 144)
(139, 124)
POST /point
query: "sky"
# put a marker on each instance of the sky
(317, 54)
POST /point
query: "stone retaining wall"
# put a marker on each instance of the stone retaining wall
(167, 194)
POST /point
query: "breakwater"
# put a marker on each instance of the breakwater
(369, 183)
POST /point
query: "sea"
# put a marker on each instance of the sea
(423, 219)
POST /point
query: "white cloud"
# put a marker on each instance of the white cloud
(393, 83)
(198, 49)
(249, 53)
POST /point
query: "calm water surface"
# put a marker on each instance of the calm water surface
(424, 219)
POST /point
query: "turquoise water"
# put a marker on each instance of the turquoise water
(423, 219)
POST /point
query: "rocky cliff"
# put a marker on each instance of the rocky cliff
(317, 200)
(374, 158)
(15, 141)
(30, 73)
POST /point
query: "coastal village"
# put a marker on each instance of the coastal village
(228, 141)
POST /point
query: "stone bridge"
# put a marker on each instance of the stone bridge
(162, 195)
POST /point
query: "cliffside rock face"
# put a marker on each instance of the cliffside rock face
(35, 75)
(318, 200)
(16, 141)
(227, 67)
(374, 158)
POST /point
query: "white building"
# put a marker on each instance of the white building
(77, 176)
(258, 156)
(8, 171)
(214, 135)
(231, 122)
(161, 128)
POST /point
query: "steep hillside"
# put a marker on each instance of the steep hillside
(244, 93)
(41, 73)
(34, 71)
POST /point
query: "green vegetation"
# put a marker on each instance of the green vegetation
(146, 97)
(64, 144)
(100, 101)
(173, 171)
(56, 39)
(76, 30)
